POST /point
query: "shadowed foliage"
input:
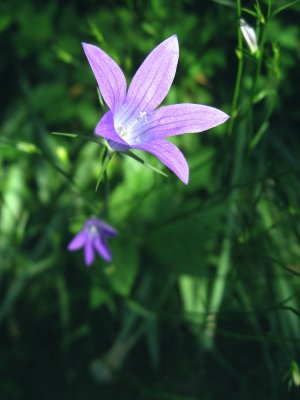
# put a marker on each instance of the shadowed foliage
(201, 299)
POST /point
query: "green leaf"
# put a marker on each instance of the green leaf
(82, 137)
(100, 98)
(72, 135)
(125, 266)
(152, 338)
(250, 12)
(63, 55)
(12, 202)
(259, 12)
(98, 297)
(262, 95)
(256, 139)
(29, 148)
(284, 7)
(141, 161)
(106, 157)
(193, 292)
(5, 21)
(227, 3)
(76, 334)
(135, 190)
(64, 300)
(140, 310)
(295, 373)
(95, 31)
(183, 240)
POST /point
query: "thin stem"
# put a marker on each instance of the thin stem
(223, 266)
(107, 155)
(259, 61)
(239, 72)
(260, 52)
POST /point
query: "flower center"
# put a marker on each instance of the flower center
(93, 230)
(130, 129)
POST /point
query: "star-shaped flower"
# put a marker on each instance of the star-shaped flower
(133, 120)
(93, 238)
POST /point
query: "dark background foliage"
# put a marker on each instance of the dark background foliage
(202, 298)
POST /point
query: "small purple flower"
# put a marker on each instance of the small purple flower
(134, 121)
(93, 238)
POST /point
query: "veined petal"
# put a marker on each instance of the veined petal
(117, 146)
(89, 253)
(106, 128)
(169, 155)
(102, 248)
(108, 74)
(153, 80)
(77, 242)
(180, 118)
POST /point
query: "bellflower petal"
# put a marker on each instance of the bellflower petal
(108, 74)
(106, 128)
(107, 230)
(177, 119)
(77, 242)
(102, 248)
(89, 253)
(153, 80)
(168, 154)
(118, 146)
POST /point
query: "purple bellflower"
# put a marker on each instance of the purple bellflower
(133, 120)
(93, 238)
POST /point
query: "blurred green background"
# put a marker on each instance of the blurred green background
(202, 298)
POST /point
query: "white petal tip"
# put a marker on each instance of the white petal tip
(172, 41)
(184, 179)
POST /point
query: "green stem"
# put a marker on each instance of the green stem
(107, 155)
(260, 52)
(259, 60)
(223, 266)
(239, 72)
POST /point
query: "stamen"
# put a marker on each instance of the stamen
(127, 129)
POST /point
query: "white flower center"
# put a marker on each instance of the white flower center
(130, 130)
(93, 230)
